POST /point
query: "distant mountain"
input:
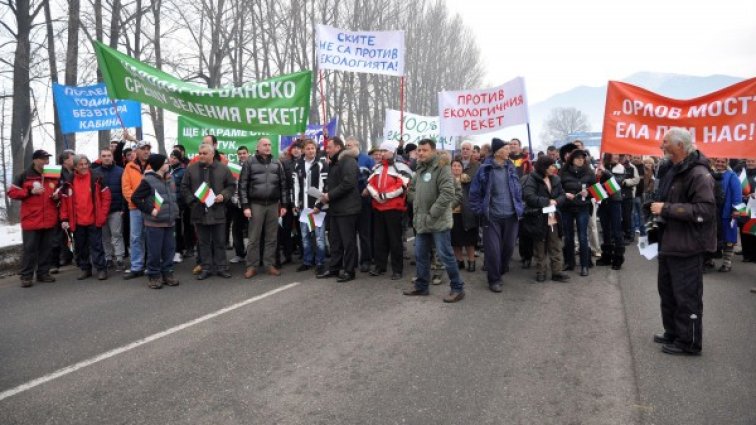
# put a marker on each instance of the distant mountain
(590, 100)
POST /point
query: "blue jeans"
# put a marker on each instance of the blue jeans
(569, 217)
(136, 239)
(310, 257)
(442, 241)
(161, 246)
(638, 222)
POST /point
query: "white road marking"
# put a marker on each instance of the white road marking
(104, 356)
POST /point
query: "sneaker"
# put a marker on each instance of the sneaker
(177, 258)
(436, 279)
(131, 274)
(236, 260)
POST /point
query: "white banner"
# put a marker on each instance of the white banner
(416, 127)
(374, 52)
(469, 112)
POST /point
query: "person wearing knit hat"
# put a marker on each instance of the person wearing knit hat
(497, 144)
(156, 198)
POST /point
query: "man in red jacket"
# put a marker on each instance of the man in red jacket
(39, 216)
(387, 186)
(84, 209)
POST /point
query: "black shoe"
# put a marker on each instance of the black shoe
(204, 274)
(375, 271)
(326, 274)
(131, 274)
(663, 338)
(616, 267)
(396, 276)
(364, 268)
(540, 277)
(675, 350)
(603, 262)
(560, 277)
(84, 274)
(471, 266)
(303, 267)
(26, 282)
(583, 271)
(526, 264)
(320, 270)
(110, 265)
(345, 277)
(45, 278)
(460, 264)
(568, 268)
(495, 287)
(224, 274)
(415, 292)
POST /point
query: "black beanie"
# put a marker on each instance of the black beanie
(155, 161)
(409, 147)
(496, 144)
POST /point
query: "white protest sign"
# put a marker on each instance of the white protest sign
(470, 112)
(416, 128)
(374, 52)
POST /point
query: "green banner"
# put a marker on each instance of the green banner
(191, 132)
(280, 105)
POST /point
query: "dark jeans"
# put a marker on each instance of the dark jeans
(37, 245)
(343, 243)
(238, 223)
(442, 241)
(61, 253)
(613, 246)
(88, 247)
(525, 246)
(161, 246)
(499, 238)
(364, 229)
(184, 231)
(387, 228)
(211, 246)
(627, 218)
(285, 241)
(569, 217)
(680, 283)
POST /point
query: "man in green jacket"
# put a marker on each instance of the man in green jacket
(432, 193)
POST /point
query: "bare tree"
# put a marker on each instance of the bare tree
(563, 121)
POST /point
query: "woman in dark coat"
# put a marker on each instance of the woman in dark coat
(576, 177)
(464, 233)
(543, 189)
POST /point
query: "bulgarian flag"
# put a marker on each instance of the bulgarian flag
(743, 182)
(235, 170)
(311, 221)
(203, 192)
(598, 192)
(612, 186)
(741, 208)
(750, 227)
(52, 171)
(158, 202)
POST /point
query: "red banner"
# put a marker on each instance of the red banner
(723, 123)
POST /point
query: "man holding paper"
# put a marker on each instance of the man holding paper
(310, 173)
(206, 187)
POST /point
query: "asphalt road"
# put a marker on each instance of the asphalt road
(320, 352)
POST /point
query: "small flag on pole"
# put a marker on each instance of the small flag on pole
(311, 221)
(750, 227)
(158, 201)
(612, 186)
(52, 171)
(741, 208)
(205, 194)
(235, 170)
(744, 183)
(598, 192)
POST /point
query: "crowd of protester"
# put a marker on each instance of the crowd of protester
(343, 211)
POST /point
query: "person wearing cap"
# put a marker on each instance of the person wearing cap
(112, 232)
(576, 177)
(387, 186)
(496, 197)
(210, 221)
(84, 208)
(310, 172)
(39, 218)
(156, 198)
(132, 177)
(410, 155)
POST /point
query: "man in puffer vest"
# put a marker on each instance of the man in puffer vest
(156, 199)
(387, 186)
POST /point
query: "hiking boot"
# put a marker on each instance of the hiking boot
(155, 282)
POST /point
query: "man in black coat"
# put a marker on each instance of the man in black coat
(344, 206)
(685, 210)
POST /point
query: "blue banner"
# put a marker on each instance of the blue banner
(89, 108)
(314, 132)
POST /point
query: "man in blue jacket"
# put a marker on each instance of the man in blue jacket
(112, 232)
(496, 196)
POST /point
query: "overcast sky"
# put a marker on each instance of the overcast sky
(557, 44)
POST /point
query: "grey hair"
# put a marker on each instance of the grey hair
(207, 146)
(355, 140)
(682, 137)
(77, 159)
(466, 142)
